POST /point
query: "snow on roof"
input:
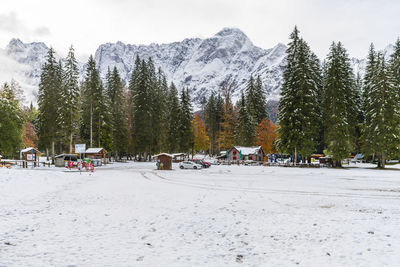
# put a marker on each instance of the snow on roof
(178, 154)
(28, 149)
(66, 155)
(247, 150)
(94, 150)
(162, 154)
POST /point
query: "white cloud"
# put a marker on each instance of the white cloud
(11, 23)
(11, 69)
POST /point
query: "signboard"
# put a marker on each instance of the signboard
(80, 148)
(30, 157)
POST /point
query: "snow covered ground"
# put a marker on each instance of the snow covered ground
(133, 215)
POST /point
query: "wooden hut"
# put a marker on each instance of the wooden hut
(254, 153)
(97, 153)
(29, 154)
(164, 161)
(178, 157)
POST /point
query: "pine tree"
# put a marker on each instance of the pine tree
(185, 119)
(382, 133)
(11, 122)
(70, 97)
(251, 99)
(117, 108)
(394, 69)
(338, 103)
(298, 108)
(142, 109)
(245, 132)
(49, 102)
(260, 102)
(213, 115)
(367, 104)
(173, 136)
(94, 129)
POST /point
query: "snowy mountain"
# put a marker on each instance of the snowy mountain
(202, 64)
(198, 64)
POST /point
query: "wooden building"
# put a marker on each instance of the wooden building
(164, 161)
(97, 153)
(29, 154)
(254, 153)
(178, 157)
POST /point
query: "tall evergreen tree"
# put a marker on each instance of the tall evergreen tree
(338, 96)
(298, 108)
(245, 133)
(70, 97)
(142, 110)
(118, 113)
(382, 133)
(11, 122)
(260, 105)
(94, 129)
(173, 136)
(213, 115)
(49, 102)
(367, 105)
(185, 127)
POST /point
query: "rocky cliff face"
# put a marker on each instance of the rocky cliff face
(198, 64)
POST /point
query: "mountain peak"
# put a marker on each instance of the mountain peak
(231, 31)
(15, 42)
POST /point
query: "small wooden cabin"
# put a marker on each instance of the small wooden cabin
(164, 161)
(254, 153)
(97, 153)
(29, 154)
(178, 157)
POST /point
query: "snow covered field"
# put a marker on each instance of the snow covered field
(132, 215)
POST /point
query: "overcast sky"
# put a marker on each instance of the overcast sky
(88, 23)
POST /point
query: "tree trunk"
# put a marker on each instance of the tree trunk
(295, 156)
(383, 160)
(52, 152)
(91, 125)
(70, 144)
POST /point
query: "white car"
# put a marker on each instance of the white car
(189, 165)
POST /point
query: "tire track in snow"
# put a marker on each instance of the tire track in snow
(267, 191)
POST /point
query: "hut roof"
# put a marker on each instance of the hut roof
(163, 154)
(28, 149)
(94, 150)
(247, 150)
(64, 155)
(178, 154)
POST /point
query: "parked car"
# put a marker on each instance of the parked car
(201, 162)
(189, 165)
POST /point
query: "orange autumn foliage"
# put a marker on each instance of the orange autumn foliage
(201, 140)
(266, 136)
(29, 135)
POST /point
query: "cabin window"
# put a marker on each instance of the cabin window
(234, 158)
(250, 158)
(234, 152)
